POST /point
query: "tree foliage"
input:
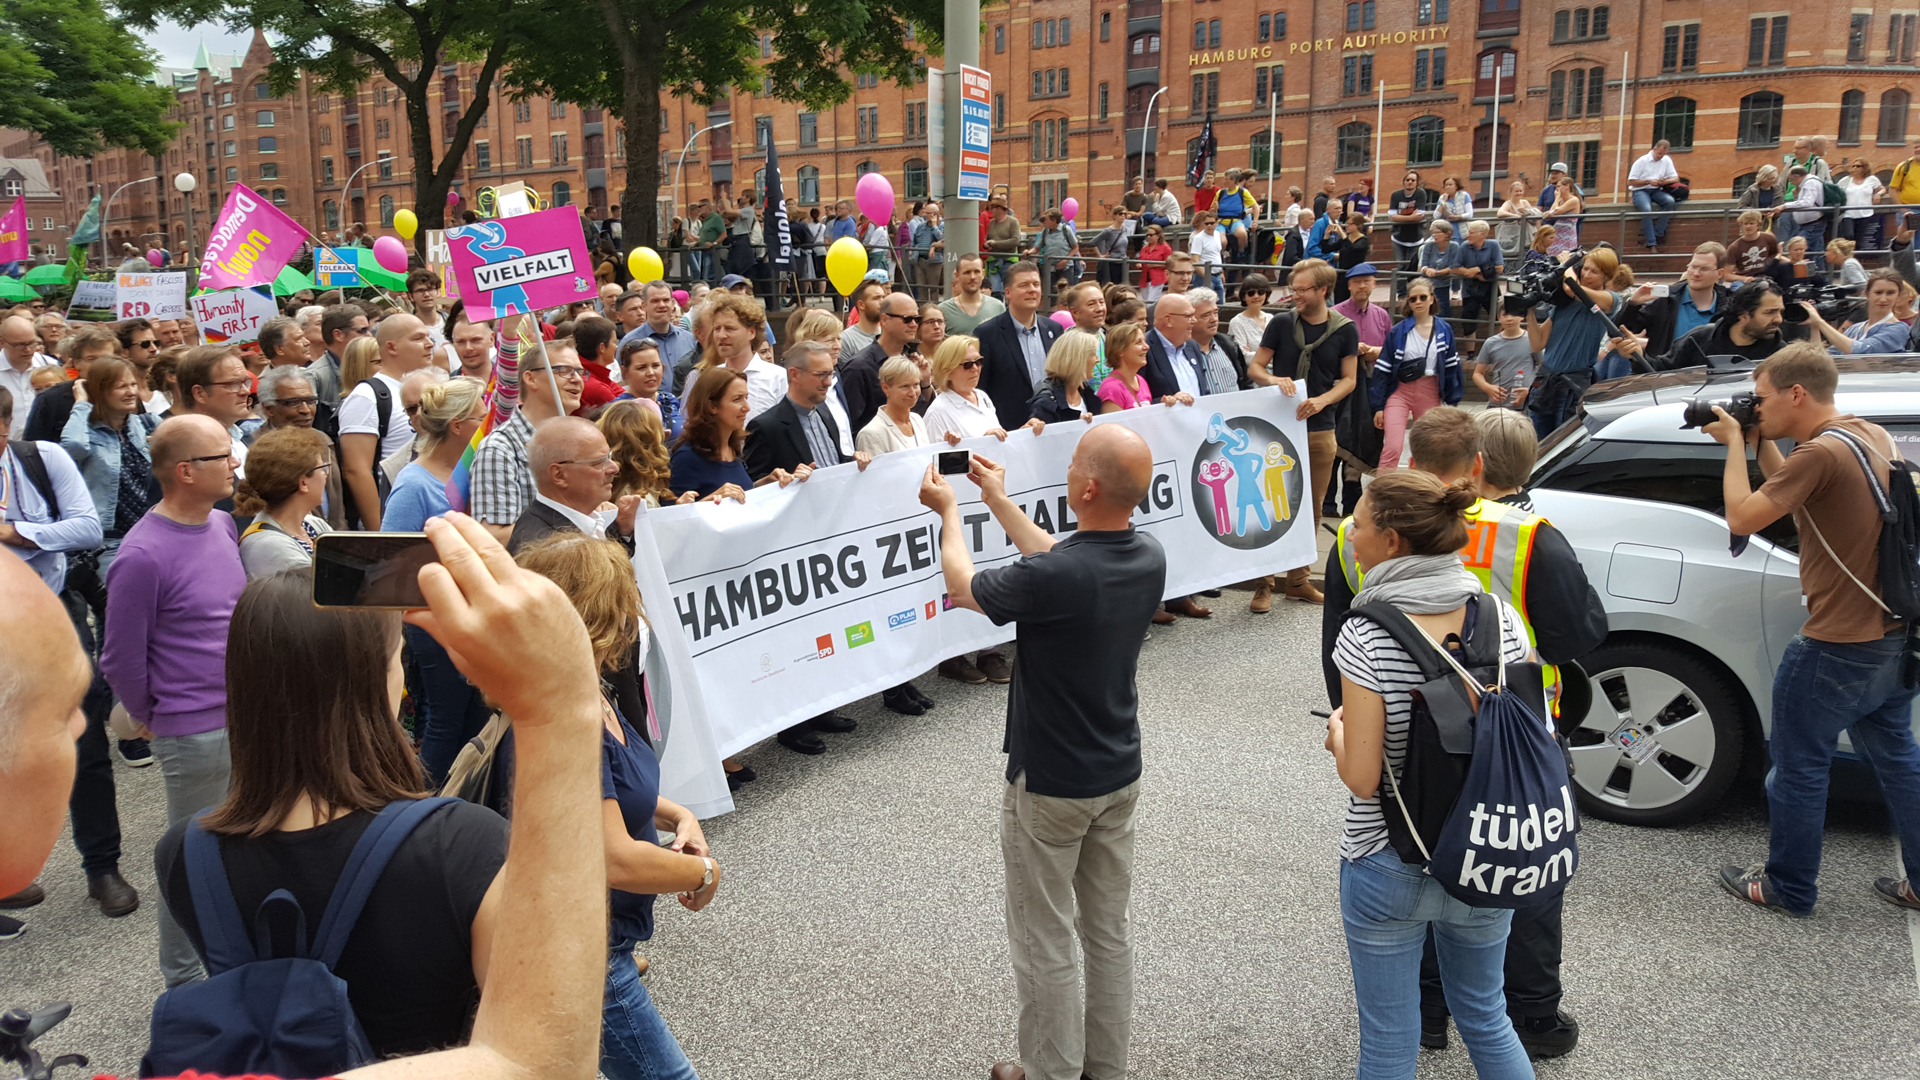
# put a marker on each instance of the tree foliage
(77, 78)
(699, 48)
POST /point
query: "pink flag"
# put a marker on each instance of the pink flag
(13, 232)
(250, 242)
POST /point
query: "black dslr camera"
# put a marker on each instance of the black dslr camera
(1838, 304)
(1699, 411)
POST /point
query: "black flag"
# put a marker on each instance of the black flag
(1201, 157)
(773, 217)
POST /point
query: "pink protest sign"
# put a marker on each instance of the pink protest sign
(13, 232)
(251, 241)
(515, 265)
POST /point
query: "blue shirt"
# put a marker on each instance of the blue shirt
(1183, 363)
(676, 342)
(694, 471)
(1686, 316)
(1033, 350)
(1574, 342)
(418, 497)
(76, 529)
(843, 227)
(630, 776)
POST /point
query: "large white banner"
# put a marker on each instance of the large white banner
(827, 591)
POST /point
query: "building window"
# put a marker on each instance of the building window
(762, 132)
(557, 149)
(915, 173)
(382, 129)
(233, 174)
(270, 171)
(1484, 148)
(1431, 11)
(226, 122)
(1900, 31)
(1557, 95)
(869, 124)
(999, 39)
(386, 211)
(1269, 84)
(279, 196)
(269, 144)
(522, 112)
(1760, 119)
(809, 185)
(1596, 91)
(1039, 34)
(1429, 69)
(523, 151)
(1426, 141)
(809, 129)
(229, 148)
(1502, 59)
(1767, 42)
(999, 112)
(1357, 75)
(1582, 158)
(326, 170)
(1359, 16)
(1680, 48)
(766, 46)
(330, 214)
(1206, 93)
(1200, 33)
(1355, 146)
(557, 110)
(384, 165)
(1046, 195)
(1106, 25)
(562, 193)
(917, 120)
(1893, 117)
(1066, 31)
(864, 168)
(1673, 121)
(1260, 155)
(1852, 104)
(1857, 38)
(482, 156)
(263, 118)
(1580, 24)
(323, 103)
(1279, 26)
(226, 97)
(1103, 101)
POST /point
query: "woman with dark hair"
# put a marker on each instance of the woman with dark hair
(106, 435)
(1422, 338)
(313, 696)
(646, 380)
(635, 1043)
(706, 457)
(285, 482)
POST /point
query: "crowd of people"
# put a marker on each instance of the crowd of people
(169, 495)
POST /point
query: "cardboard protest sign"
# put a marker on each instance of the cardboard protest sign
(516, 265)
(232, 317)
(151, 296)
(93, 301)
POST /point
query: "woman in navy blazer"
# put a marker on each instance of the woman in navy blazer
(1419, 336)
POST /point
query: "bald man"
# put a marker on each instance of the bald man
(22, 347)
(1081, 605)
(573, 471)
(43, 675)
(170, 597)
(373, 420)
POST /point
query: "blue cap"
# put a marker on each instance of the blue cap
(731, 280)
(1363, 270)
(878, 275)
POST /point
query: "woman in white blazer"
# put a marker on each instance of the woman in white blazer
(896, 426)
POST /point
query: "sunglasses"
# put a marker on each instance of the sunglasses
(150, 343)
(912, 320)
(969, 365)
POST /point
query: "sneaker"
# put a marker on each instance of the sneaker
(136, 753)
(961, 669)
(11, 928)
(1547, 1036)
(1753, 886)
(1433, 1033)
(994, 667)
(1897, 892)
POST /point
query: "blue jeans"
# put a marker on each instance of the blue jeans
(1821, 689)
(1653, 226)
(1161, 220)
(634, 1042)
(451, 709)
(1816, 233)
(1387, 906)
(1616, 365)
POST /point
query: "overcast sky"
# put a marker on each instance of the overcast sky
(176, 44)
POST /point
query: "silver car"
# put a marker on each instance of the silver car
(1682, 688)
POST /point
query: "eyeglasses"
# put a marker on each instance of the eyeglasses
(298, 402)
(210, 457)
(913, 320)
(236, 387)
(362, 329)
(322, 467)
(823, 376)
(603, 459)
(566, 371)
(969, 365)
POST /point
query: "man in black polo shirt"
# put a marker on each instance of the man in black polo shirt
(1082, 606)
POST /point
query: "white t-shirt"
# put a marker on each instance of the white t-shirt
(1648, 169)
(1205, 248)
(360, 415)
(1418, 344)
(1860, 193)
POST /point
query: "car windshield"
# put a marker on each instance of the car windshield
(1684, 474)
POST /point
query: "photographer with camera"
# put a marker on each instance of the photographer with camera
(1874, 330)
(1846, 668)
(1570, 337)
(1750, 325)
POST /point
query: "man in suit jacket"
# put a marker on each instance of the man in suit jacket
(860, 378)
(796, 436)
(1170, 370)
(1013, 347)
(1208, 340)
(573, 471)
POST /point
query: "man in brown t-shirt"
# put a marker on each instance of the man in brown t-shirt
(1843, 671)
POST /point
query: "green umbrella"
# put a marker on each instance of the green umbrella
(14, 289)
(291, 281)
(47, 274)
(374, 274)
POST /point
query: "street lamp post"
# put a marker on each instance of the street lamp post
(346, 189)
(1146, 132)
(106, 215)
(688, 149)
(184, 183)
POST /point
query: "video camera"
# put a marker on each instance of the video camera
(1699, 411)
(1535, 285)
(1837, 304)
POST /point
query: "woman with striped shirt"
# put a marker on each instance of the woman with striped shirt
(1408, 530)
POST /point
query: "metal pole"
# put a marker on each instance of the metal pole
(1493, 146)
(1146, 130)
(1273, 145)
(683, 157)
(961, 30)
(1620, 142)
(346, 191)
(106, 215)
(1379, 126)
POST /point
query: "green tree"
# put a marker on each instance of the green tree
(698, 48)
(344, 43)
(78, 79)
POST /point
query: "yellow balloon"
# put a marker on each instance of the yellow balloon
(846, 264)
(406, 224)
(645, 264)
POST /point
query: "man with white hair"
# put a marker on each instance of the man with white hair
(23, 354)
(1478, 264)
(1221, 365)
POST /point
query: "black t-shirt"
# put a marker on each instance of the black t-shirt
(408, 964)
(1082, 609)
(1408, 233)
(1323, 370)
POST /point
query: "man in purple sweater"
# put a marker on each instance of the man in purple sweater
(170, 596)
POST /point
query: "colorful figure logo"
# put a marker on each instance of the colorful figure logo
(487, 240)
(1253, 478)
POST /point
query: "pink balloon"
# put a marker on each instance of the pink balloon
(154, 256)
(391, 254)
(680, 296)
(874, 196)
(1069, 208)
(453, 198)
(1064, 318)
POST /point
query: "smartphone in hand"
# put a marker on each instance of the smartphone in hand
(370, 569)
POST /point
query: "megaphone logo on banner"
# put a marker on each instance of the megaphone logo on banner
(1248, 482)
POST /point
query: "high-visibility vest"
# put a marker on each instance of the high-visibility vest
(1498, 551)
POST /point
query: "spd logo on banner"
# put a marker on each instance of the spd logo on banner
(336, 268)
(516, 265)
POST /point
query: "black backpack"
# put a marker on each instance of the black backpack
(383, 414)
(1899, 506)
(36, 469)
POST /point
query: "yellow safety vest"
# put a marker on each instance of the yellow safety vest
(1498, 551)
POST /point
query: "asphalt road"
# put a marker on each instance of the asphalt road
(860, 929)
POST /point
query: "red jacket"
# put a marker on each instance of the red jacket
(600, 387)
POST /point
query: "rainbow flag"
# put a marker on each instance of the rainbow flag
(502, 396)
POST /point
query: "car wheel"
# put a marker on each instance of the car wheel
(1662, 739)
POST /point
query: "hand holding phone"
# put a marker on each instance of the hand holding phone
(956, 462)
(370, 569)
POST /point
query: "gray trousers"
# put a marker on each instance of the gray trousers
(1070, 868)
(195, 768)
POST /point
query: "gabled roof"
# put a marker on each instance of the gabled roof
(28, 170)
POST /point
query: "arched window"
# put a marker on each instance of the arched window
(915, 174)
(1426, 141)
(1673, 121)
(1355, 145)
(809, 185)
(279, 196)
(262, 91)
(386, 211)
(1893, 117)
(864, 168)
(1260, 155)
(1502, 60)
(1560, 22)
(1742, 182)
(562, 193)
(1760, 119)
(263, 118)
(1852, 104)
(330, 214)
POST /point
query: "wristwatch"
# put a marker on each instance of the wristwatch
(708, 879)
